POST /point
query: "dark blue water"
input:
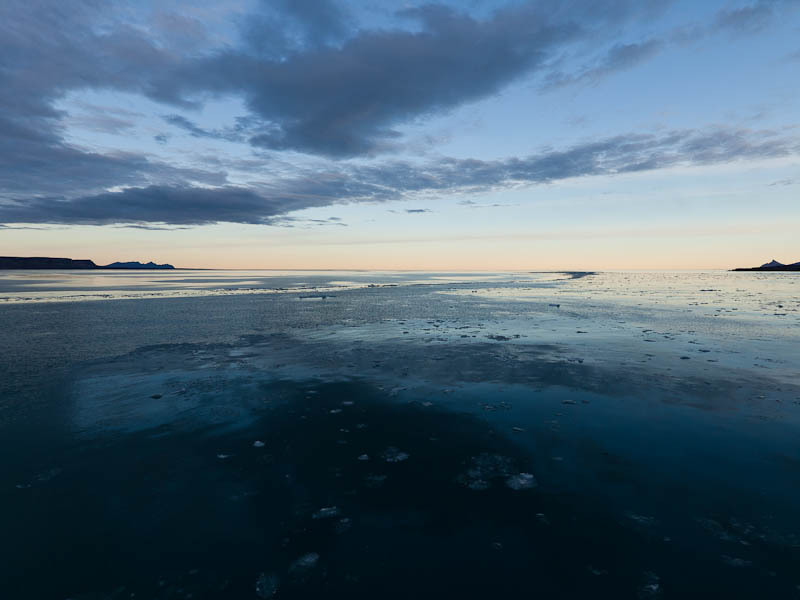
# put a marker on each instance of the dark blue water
(456, 439)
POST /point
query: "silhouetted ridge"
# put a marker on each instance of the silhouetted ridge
(772, 265)
(136, 265)
(43, 262)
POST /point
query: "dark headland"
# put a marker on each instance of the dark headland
(43, 262)
(772, 265)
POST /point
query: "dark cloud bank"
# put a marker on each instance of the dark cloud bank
(397, 180)
(313, 83)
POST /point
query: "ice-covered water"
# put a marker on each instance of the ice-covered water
(214, 434)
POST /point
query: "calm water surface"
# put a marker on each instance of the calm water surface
(254, 434)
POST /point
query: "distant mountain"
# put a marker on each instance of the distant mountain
(772, 265)
(136, 265)
(42, 262)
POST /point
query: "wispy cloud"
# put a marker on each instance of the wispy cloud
(400, 180)
(619, 57)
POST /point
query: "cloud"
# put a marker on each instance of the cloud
(296, 222)
(237, 133)
(749, 19)
(313, 82)
(474, 205)
(411, 211)
(346, 100)
(400, 180)
(48, 49)
(618, 58)
(321, 21)
(155, 204)
(746, 19)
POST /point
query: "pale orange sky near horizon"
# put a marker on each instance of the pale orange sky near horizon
(244, 247)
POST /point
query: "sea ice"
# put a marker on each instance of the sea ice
(521, 481)
(343, 525)
(651, 588)
(484, 468)
(393, 455)
(326, 513)
(267, 585)
(374, 481)
(304, 563)
(734, 561)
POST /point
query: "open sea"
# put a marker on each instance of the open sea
(264, 434)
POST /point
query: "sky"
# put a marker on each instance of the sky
(473, 135)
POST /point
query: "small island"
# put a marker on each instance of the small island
(772, 265)
(44, 262)
(136, 265)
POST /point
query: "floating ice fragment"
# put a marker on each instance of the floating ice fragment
(651, 588)
(267, 585)
(478, 485)
(484, 468)
(45, 476)
(393, 455)
(363, 457)
(258, 444)
(641, 520)
(343, 525)
(304, 563)
(734, 561)
(374, 481)
(521, 481)
(326, 512)
(224, 456)
(335, 411)
(517, 429)
(568, 402)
